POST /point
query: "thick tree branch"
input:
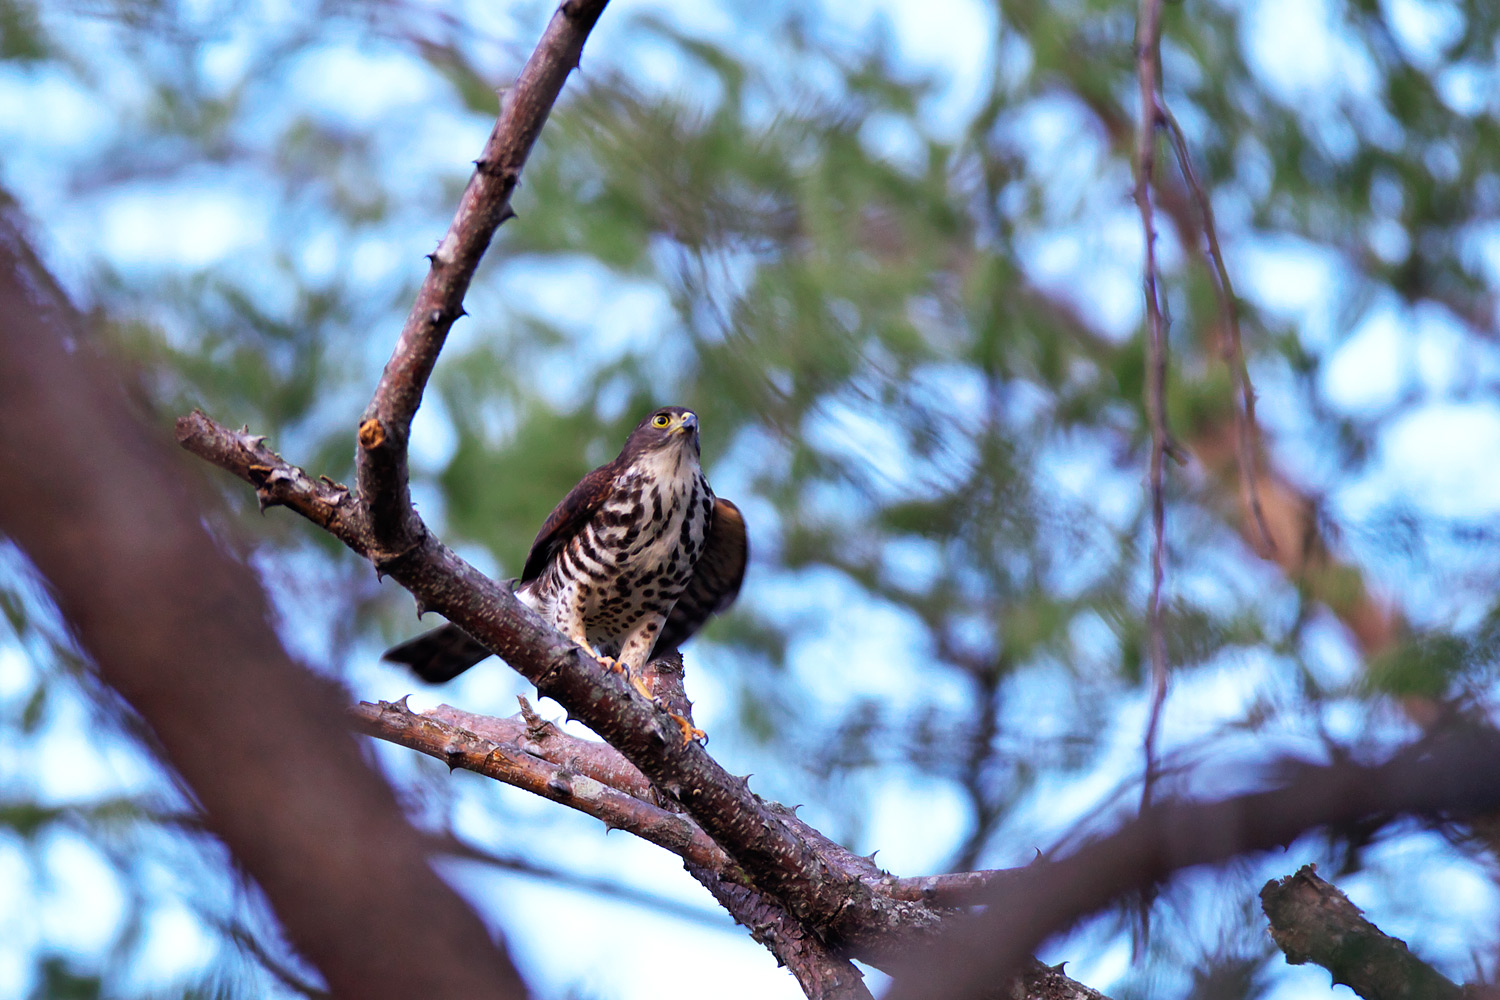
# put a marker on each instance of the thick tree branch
(182, 632)
(485, 204)
(1447, 777)
(1313, 922)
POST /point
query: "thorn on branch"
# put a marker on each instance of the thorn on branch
(560, 785)
(396, 707)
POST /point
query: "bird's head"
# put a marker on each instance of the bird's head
(670, 427)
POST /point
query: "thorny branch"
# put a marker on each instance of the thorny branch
(593, 778)
(392, 535)
(485, 204)
(783, 861)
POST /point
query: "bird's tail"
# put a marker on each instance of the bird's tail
(439, 655)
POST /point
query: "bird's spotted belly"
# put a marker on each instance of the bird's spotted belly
(618, 579)
(652, 560)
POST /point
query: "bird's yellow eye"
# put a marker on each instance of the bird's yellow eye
(660, 420)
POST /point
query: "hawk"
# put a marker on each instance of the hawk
(633, 561)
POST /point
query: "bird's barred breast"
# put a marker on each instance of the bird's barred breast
(636, 554)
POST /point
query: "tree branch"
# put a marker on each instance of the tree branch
(393, 537)
(515, 864)
(504, 749)
(1247, 431)
(507, 762)
(1445, 777)
(485, 204)
(1313, 922)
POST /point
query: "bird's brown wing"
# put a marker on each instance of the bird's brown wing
(446, 652)
(716, 577)
(568, 518)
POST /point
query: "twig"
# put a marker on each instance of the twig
(1444, 777)
(1311, 921)
(1247, 431)
(1148, 65)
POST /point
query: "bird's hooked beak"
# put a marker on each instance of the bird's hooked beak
(688, 426)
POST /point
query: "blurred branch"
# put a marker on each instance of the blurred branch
(515, 864)
(484, 205)
(1299, 544)
(1247, 431)
(953, 889)
(1313, 922)
(182, 631)
(1148, 69)
(1444, 776)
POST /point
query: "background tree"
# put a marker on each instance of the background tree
(906, 306)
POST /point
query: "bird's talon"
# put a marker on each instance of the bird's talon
(613, 665)
(690, 732)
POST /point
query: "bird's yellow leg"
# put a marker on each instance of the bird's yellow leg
(690, 732)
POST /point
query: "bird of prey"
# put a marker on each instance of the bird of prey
(633, 561)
